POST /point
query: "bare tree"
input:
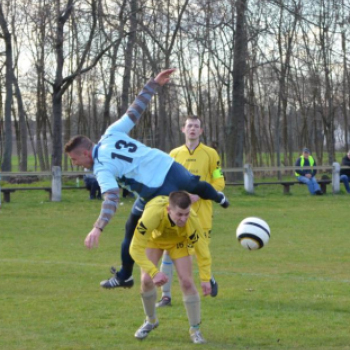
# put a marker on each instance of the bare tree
(6, 164)
(235, 125)
(61, 84)
(161, 39)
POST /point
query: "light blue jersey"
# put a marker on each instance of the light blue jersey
(120, 160)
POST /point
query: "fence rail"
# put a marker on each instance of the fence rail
(225, 170)
(248, 172)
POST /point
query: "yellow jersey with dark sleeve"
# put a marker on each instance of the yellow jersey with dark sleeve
(156, 225)
(205, 162)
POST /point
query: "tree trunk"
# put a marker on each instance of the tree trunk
(22, 127)
(6, 163)
(128, 58)
(57, 86)
(235, 127)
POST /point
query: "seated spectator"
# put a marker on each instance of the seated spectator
(345, 173)
(93, 186)
(307, 176)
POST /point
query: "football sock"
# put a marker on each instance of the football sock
(193, 309)
(167, 268)
(149, 304)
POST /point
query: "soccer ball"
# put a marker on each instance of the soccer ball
(253, 233)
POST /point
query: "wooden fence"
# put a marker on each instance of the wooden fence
(248, 175)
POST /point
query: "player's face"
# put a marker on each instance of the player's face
(179, 216)
(192, 129)
(81, 158)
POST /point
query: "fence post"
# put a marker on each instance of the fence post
(248, 178)
(336, 177)
(56, 186)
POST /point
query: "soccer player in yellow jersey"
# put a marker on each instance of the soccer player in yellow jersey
(205, 162)
(169, 223)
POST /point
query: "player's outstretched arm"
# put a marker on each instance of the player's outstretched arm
(136, 109)
(108, 209)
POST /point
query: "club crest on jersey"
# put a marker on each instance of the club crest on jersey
(194, 237)
(142, 228)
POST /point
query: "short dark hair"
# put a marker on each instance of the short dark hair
(192, 117)
(180, 199)
(79, 141)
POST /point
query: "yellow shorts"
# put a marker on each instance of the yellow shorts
(176, 250)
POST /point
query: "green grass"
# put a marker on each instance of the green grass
(292, 294)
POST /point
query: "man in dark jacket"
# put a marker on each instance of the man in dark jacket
(307, 176)
(345, 173)
(93, 186)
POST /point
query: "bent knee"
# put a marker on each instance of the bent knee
(146, 280)
(187, 284)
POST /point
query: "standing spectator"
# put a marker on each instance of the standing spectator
(307, 176)
(345, 173)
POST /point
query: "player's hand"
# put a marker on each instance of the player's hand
(91, 239)
(206, 288)
(164, 76)
(160, 279)
(309, 176)
(194, 198)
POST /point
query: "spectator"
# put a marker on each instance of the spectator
(92, 185)
(345, 173)
(307, 176)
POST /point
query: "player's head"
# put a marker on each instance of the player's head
(179, 207)
(192, 128)
(79, 150)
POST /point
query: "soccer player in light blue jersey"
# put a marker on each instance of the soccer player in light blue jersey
(119, 160)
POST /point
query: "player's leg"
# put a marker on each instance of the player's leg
(306, 181)
(167, 268)
(123, 278)
(191, 297)
(149, 297)
(316, 186)
(213, 283)
(179, 178)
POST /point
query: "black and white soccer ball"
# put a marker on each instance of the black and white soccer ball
(253, 233)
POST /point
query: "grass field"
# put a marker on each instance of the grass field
(292, 294)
